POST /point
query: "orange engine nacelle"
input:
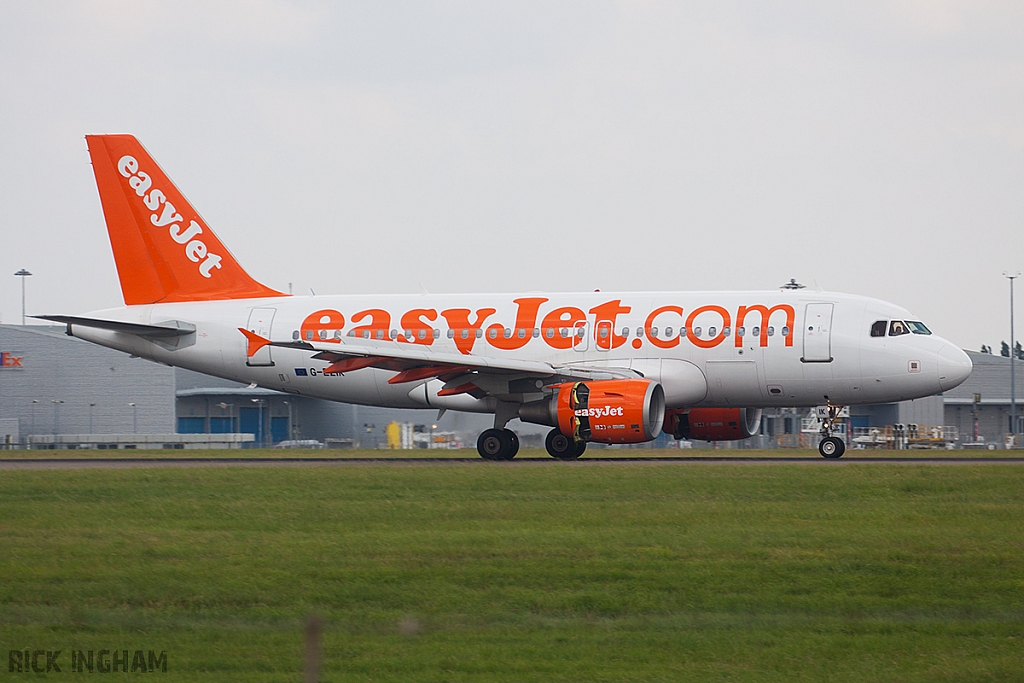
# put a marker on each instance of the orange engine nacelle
(713, 424)
(604, 411)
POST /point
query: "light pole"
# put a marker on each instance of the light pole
(135, 422)
(231, 419)
(974, 411)
(1013, 352)
(259, 420)
(35, 402)
(23, 274)
(291, 430)
(56, 415)
(91, 406)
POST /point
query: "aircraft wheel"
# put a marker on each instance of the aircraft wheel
(491, 444)
(562, 447)
(513, 440)
(580, 447)
(831, 447)
(497, 444)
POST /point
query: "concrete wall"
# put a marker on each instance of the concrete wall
(991, 380)
(878, 415)
(10, 432)
(923, 411)
(993, 421)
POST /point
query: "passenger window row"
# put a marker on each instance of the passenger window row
(566, 332)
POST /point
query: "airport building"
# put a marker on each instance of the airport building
(211, 405)
(54, 384)
(59, 390)
(983, 402)
(56, 389)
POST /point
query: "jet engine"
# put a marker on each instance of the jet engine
(603, 411)
(713, 424)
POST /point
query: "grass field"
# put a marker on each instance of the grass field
(489, 572)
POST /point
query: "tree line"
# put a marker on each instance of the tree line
(1004, 350)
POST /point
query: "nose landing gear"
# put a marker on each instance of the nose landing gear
(831, 447)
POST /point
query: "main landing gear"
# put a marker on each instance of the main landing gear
(503, 444)
(497, 444)
(831, 447)
(563, 447)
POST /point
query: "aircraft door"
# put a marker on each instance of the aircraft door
(818, 333)
(260, 322)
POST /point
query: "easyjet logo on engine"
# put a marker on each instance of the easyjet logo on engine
(603, 411)
(166, 216)
(561, 328)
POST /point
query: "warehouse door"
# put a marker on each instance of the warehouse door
(250, 421)
(278, 429)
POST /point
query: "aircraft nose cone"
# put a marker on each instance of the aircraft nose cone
(954, 367)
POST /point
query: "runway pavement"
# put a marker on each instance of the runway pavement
(125, 463)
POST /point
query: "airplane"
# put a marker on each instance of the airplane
(611, 368)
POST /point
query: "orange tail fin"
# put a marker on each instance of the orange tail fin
(163, 249)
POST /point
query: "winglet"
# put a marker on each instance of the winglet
(256, 342)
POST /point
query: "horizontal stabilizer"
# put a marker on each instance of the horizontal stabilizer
(173, 328)
(256, 342)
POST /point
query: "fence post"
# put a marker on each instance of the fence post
(312, 650)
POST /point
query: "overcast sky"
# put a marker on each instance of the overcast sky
(875, 148)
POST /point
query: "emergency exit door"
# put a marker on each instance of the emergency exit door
(260, 322)
(818, 333)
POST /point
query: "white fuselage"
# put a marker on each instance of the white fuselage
(815, 347)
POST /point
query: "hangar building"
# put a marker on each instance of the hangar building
(989, 383)
(211, 405)
(53, 384)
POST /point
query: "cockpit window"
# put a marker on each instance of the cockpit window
(918, 328)
(878, 328)
(898, 327)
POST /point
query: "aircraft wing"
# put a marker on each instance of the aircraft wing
(414, 362)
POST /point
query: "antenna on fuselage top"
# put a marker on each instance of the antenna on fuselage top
(793, 284)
